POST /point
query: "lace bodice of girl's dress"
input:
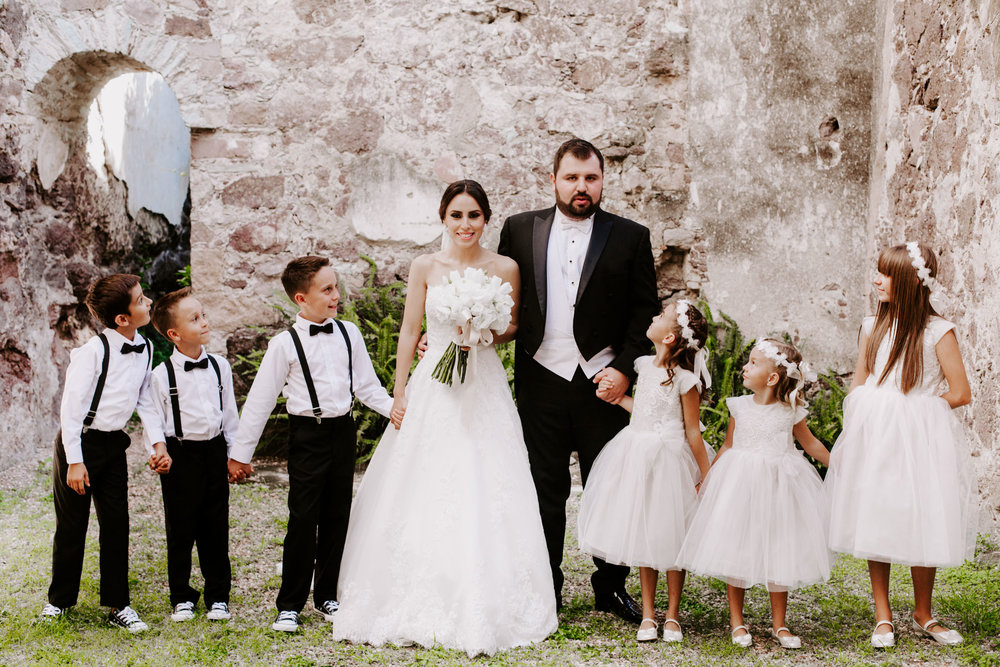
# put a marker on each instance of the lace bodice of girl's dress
(764, 428)
(932, 382)
(657, 406)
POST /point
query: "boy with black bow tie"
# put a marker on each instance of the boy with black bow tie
(194, 411)
(321, 364)
(106, 380)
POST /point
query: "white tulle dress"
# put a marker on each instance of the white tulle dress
(640, 493)
(445, 544)
(762, 518)
(901, 485)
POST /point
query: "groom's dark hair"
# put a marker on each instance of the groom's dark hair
(469, 187)
(579, 148)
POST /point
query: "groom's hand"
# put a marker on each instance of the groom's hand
(422, 347)
(613, 392)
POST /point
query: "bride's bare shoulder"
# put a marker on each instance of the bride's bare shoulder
(503, 266)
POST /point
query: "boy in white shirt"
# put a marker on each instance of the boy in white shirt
(321, 364)
(194, 411)
(106, 379)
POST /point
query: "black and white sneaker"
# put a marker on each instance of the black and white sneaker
(52, 611)
(287, 621)
(127, 619)
(328, 609)
(183, 611)
(219, 612)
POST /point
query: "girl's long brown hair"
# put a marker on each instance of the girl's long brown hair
(680, 354)
(903, 316)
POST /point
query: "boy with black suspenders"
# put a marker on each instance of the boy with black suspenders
(106, 380)
(321, 364)
(194, 411)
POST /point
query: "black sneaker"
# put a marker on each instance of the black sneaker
(328, 609)
(183, 611)
(219, 612)
(287, 621)
(52, 611)
(127, 619)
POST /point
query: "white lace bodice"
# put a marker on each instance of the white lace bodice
(763, 428)
(657, 407)
(933, 382)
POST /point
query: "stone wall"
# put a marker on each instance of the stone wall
(936, 180)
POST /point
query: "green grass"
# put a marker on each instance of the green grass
(834, 619)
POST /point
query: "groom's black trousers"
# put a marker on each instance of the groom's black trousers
(559, 417)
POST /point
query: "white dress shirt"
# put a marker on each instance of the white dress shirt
(125, 387)
(558, 352)
(198, 397)
(280, 370)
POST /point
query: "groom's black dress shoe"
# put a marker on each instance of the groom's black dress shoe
(620, 603)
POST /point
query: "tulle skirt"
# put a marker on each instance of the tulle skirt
(761, 520)
(638, 499)
(901, 485)
(445, 544)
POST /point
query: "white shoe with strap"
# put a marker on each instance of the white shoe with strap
(791, 641)
(744, 640)
(946, 637)
(885, 639)
(646, 634)
(672, 635)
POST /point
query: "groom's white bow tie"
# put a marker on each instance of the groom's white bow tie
(573, 226)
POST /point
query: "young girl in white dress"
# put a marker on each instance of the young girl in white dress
(761, 519)
(901, 483)
(642, 488)
(445, 545)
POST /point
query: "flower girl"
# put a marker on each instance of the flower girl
(761, 519)
(901, 484)
(642, 488)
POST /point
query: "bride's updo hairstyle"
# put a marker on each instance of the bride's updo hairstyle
(469, 187)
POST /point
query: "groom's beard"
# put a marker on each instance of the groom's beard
(580, 211)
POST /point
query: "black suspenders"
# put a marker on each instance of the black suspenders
(175, 404)
(313, 398)
(88, 419)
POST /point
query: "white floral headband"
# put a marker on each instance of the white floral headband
(687, 333)
(937, 296)
(800, 372)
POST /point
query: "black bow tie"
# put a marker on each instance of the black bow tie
(191, 365)
(321, 328)
(126, 348)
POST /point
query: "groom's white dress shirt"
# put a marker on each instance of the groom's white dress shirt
(558, 352)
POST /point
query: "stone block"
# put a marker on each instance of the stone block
(209, 145)
(255, 192)
(182, 26)
(80, 5)
(357, 132)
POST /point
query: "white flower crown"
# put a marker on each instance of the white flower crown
(937, 297)
(687, 333)
(800, 372)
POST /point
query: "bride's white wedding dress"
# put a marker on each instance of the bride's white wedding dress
(445, 544)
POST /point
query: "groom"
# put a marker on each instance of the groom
(588, 294)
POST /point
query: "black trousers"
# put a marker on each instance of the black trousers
(196, 512)
(320, 486)
(104, 457)
(559, 417)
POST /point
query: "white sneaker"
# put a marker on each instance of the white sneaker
(287, 621)
(183, 611)
(127, 619)
(52, 611)
(219, 612)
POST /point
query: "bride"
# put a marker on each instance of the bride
(445, 544)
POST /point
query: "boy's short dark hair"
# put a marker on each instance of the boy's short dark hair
(163, 309)
(299, 273)
(111, 296)
(581, 149)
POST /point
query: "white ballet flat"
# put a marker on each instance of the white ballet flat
(646, 634)
(672, 635)
(741, 640)
(947, 637)
(886, 639)
(786, 642)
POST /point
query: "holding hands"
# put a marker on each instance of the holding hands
(398, 410)
(611, 385)
(238, 471)
(160, 461)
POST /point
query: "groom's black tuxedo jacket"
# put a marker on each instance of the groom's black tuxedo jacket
(616, 299)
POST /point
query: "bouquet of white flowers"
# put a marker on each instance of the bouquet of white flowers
(478, 305)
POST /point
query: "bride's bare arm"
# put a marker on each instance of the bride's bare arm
(508, 271)
(409, 333)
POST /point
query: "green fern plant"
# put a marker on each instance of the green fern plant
(728, 351)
